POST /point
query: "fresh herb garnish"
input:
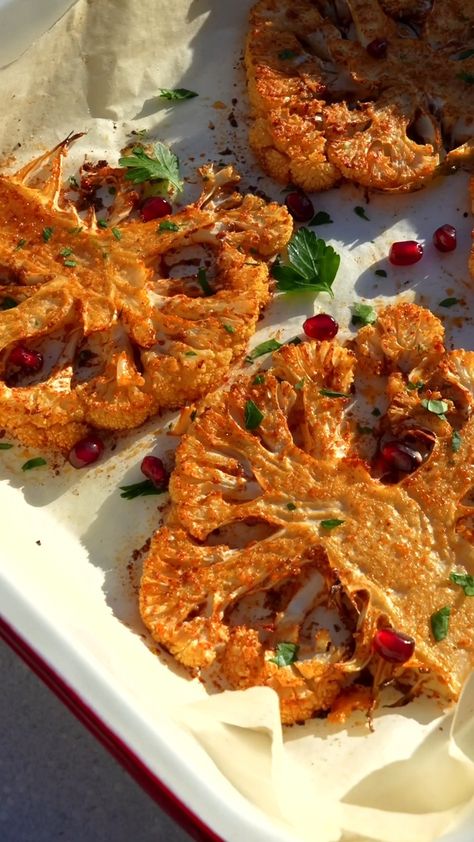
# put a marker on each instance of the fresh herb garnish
(360, 211)
(76, 230)
(286, 54)
(252, 416)
(331, 523)
(73, 181)
(285, 654)
(5, 445)
(229, 328)
(176, 94)
(464, 54)
(295, 341)
(291, 507)
(320, 218)
(66, 251)
(258, 380)
(37, 462)
(456, 441)
(415, 387)
(381, 273)
(20, 244)
(300, 384)
(47, 233)
(329, 393)
(140, 489)
(264, 348)
(117, 233)
(448, 302)
(312, 265)
(440, 623)
(163, 166)
(8, 303)
(70, 262)
(466, 77)
(465, 581)
(190, 354)
(203, 282)
(166, 225)
(438, 408)
(363, 314)
(102, 223)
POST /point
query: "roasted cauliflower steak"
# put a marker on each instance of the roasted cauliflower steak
(378, 93)
(120, 334)
(323, 535)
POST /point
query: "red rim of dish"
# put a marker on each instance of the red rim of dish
(160, 793)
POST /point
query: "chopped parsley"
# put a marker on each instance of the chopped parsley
(329, 393)
(167, 225)
(258, 380)
(465, 581)
(285, 654)
(284, 55)
(448, 302)
(203, 282)
(363, 314)
(360, 211)
(117, 233)
(252, 416)
(47, 233)
(140, 489)
(70, 262)
(73, 181)
(190, 354)
(415, 387)
(300, 385)
(264, 348)
(440, 623)
(438, 408)
(36, 462)
(381, 273)
(331, 523)
(456, 441)
(312, 265)
(76, 230)
(176, 94)
(5, 445)
(320, 218)
(229, 328)
(8, 303)
(291, 507)
(66, 251)
(102, 223)
(20, 244)
(162, 165)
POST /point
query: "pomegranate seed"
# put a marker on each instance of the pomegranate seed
(321, 327)
(400, 457)
(377, 48)
(26, 360)
(155, 471)
(300, 206)
(155, 208)
(405, 253)
(86, 451)
(393, 646)
(444, 238)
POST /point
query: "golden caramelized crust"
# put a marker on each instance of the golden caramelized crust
(120, 334)
(375, 92)
(276, 524)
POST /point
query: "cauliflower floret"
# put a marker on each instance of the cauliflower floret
(269, 524)
(133, 338)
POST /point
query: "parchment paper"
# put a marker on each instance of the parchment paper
(99, 70)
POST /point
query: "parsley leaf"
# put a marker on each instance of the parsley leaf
(176, 94)
(466, 77)
(47, 233)
(8, 303)
(140, 489)
(258, 380)
(102, 223)
(448, 302)
(166, 225)
(381, 273)
(66, 251)
(286, 54)
(163, 166)
(37, 462)
(440, 623)
(203, 282)
(320, 218)
(291, 507)
(117, 233)
(252, 416)
(229, 328)
(415, 387)
(360, 211)
(331, 523)
(20, 244)
(264, 348)
(312, 265)
(438, 408)
(456, 441)
(363, 314)
(285, 654)
(465, 581)
(5, 445)
(329, 393)
(70, 262)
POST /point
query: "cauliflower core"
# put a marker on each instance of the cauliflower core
(120, 335)
(323, 536)
(351, 90)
